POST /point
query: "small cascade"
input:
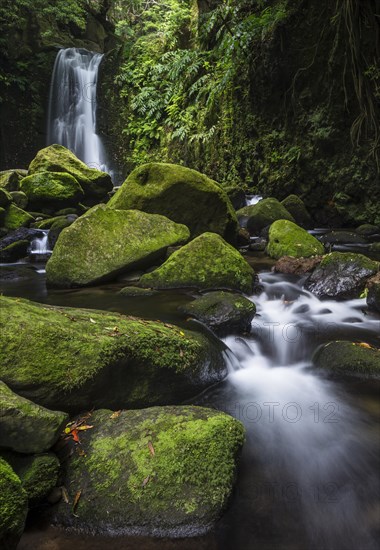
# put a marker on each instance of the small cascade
(253, 199)
(39, 248)
(72, 106)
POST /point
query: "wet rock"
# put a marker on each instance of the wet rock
(206, 262)
(164, 471)
(368, 230)
(341, 275)
(14, 251)
(373, 295)
(104, 243)
(342, 237)
(135, 291)
(351, 358)
(244, 238)
(26, 427)
(13, 507)
(288, 239)
(296, 266)
(183, 195)
(75, 359)
(22, 234)
(262, 214)
(223, 312)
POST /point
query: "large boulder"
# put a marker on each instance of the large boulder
(164, 471)
(358, 359)
(288, 239)
(206, 262)
(26, 427)
(51, 189)
(76, 359)
(224, 312)
(183, 195)
(341, 275)
(20, 199)
(5, 198)
(103, 243)
(262, 214)
(56, 158)
(15, 217)
(10, 179)
(38, 474)
(13, 507)
(296, 207)
(14, 251)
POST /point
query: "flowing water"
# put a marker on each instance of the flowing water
(72, 106)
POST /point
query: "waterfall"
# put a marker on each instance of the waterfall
(39, 247)
(72, 106)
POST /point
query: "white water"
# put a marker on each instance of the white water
(253, 199)
(40, 245)
(316, 449)
(72, 106)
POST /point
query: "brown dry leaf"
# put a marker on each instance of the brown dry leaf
(65, 494)
(146, 480)
(116, 414)
(151, 448)
(76, 500)
(181, 353)
(85, 427)
(364, 345)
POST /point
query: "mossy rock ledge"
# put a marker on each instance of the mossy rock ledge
(26, 427)
(75, 359)
(288, 239)
(57, 158)
(51, 189)
(262, 214)
(183, 195)
(163, 471)
(349, 358)
(207, 262)
(13, 507)
(224, 312)
(341, 275)
(103, 243)
(296, 207)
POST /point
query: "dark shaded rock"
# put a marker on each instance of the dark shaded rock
(368, 229)
(20, 199)
(22, 234)
(244, 238)
(14, 251)
(13, 507)
(56, 229)
(296, 207)
(349, 358)
(342, 237)
(223, 312)
(26, 427)
(262, 214)
(373, 295)
(296, 266)
(164, 471)
(5, 198)
(101, 358)
(10, 179)
(135, 291)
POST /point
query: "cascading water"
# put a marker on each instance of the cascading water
(315, 448)
(72, 106)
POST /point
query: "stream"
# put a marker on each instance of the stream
(308, 476)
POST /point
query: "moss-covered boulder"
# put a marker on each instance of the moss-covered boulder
(5, 198)
(14, 251)
(15, 217)
(224, 312)
(26, 427)
(342, 237)
(373, 294)
(351, 358)
(288, 239)
(262, 214)
(46, 223)
(341, 275)
(296, 207)
(56, 229)
(103, 243)
(20, 199)
(56, 158)
(164, 471)
(206, 262)
(2, 216)
(183, 195)
(13, 507)
(74, 359)
(368, 229)
(51, 189)
(10, 179)
(38, 474)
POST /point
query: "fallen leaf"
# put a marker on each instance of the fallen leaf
(364, 345)
(181, 333)
(85, 427)
(74, 434)
(76, 500)
(180, 353)
(146, 480)
(92, 320)
(116, 414)
(151, 448)
(65, 495)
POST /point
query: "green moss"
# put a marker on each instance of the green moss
(100, 358)
(341, 258)
(19, 198)
(10, 179)
(125, 240)
(349, 358)
(57, 158)
(263, 214)
(54, 189)
(183, 195)
(206, 262)
(188, 476)
(48, 222)
(16, 218)
(5, 197)
(13, 506)
(288, 239)
(296, 207)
